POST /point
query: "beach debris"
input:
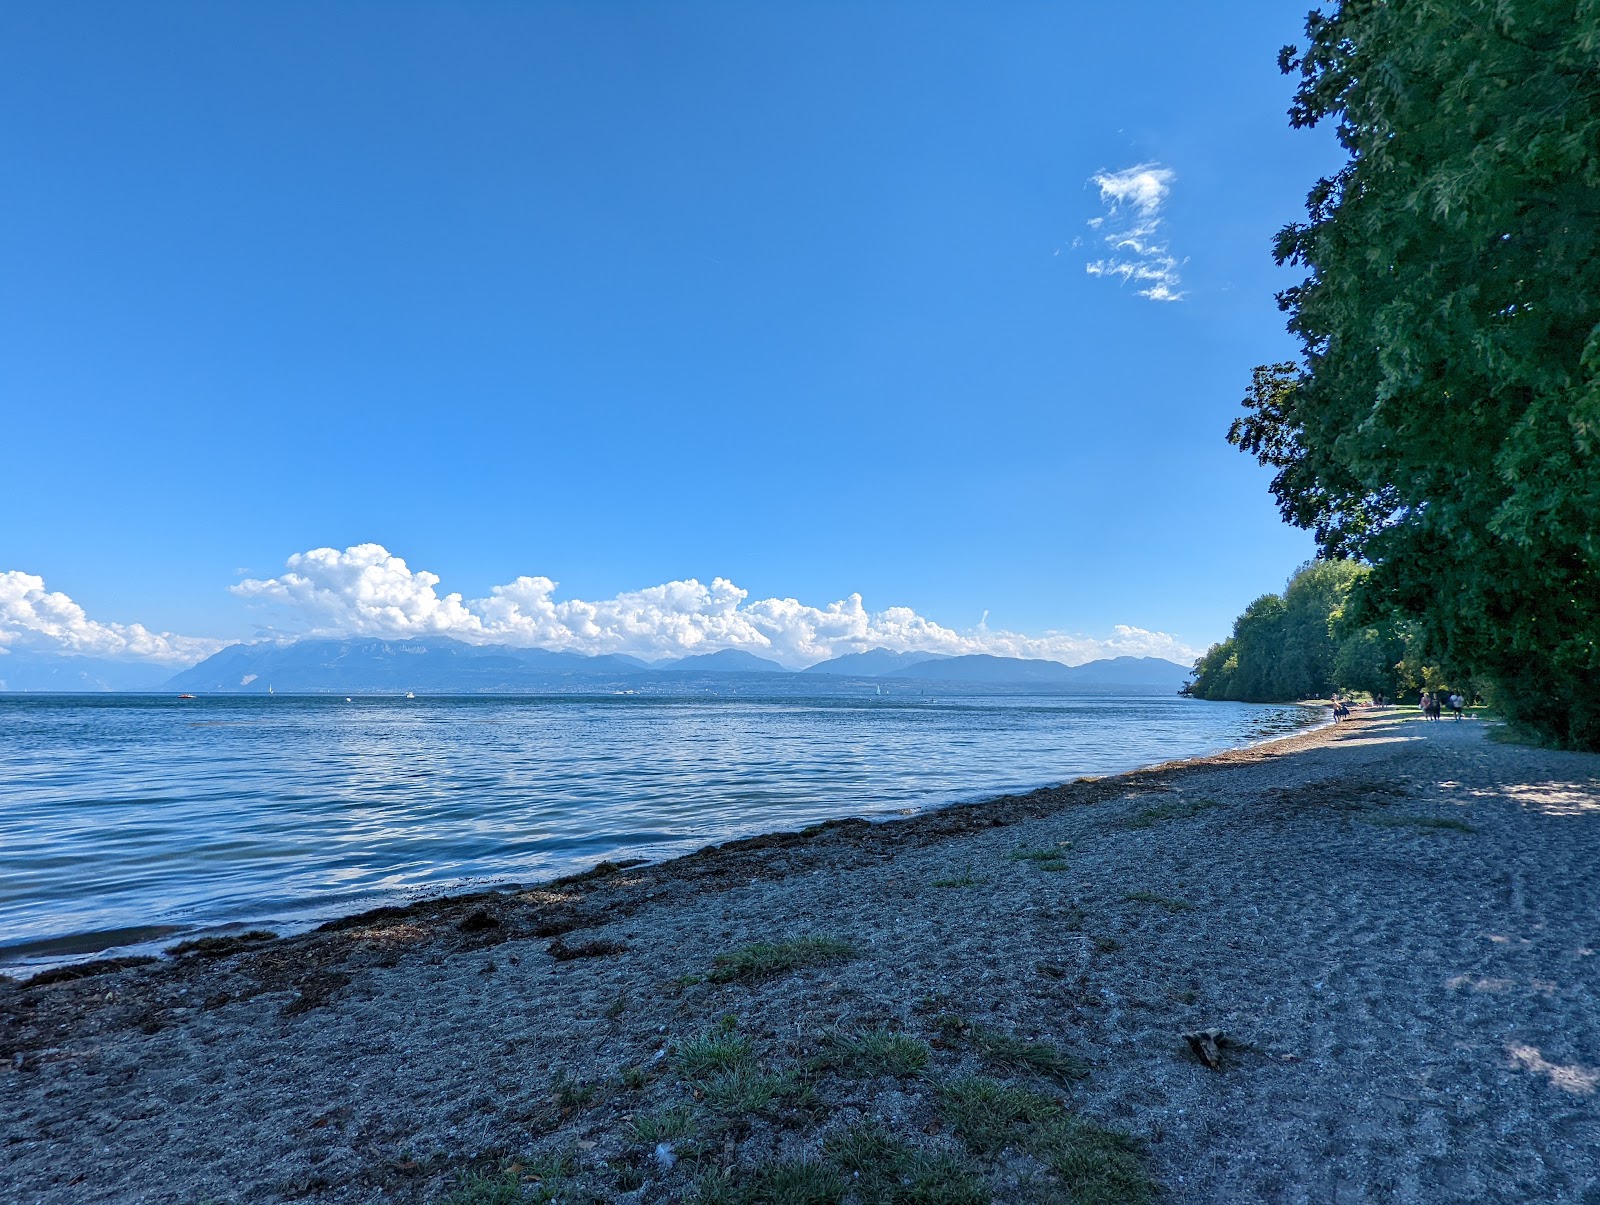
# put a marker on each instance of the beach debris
(666, 1158)
(562, 952)
(478, 920)
(1206, 1043)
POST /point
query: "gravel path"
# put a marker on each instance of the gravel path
(1392, 922)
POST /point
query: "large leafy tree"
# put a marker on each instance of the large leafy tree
(1444, 426)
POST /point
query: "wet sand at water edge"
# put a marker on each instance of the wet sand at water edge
(1393, 925)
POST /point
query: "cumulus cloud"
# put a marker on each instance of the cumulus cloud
(367, 590)
(33, 619)
(1130, 231)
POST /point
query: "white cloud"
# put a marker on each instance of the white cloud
(37, 620)
(366, 590)
(1130, 230)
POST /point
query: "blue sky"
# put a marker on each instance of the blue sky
(626, 294)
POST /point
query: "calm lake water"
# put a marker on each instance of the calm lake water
(123, 813)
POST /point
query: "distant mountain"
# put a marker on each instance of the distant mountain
(440, 665)
(86, 675)
(872, 664)
(984, 667)
(1133, 671)
(436, 664)
(728, 661)
(1142, 672)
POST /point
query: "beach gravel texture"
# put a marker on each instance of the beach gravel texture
(1392, 924)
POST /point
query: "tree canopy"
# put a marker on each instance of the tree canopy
(1444, 426)
(1304, 644)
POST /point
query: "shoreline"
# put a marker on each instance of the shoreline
(1334, 901)
(151, 937)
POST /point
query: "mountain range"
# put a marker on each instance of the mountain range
(442, 665)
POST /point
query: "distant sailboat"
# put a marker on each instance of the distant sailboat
(409, 695)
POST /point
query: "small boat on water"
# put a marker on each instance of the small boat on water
(186, 696)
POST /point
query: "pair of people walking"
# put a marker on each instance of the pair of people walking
(1433, 705)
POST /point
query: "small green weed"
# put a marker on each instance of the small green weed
(665, 1125)
(634, 1076)
(884, 1169)
(1422, 823)
(875, 1052)
(715, 1052)
(965, 879)
(617, 1007)
(765, 959)
(571, 1093)
(1170, 903)
(1051, 858)
(1178, 809)
(1008, 1052)
(744, 1090)
(987, 1114)
(1096, 1165)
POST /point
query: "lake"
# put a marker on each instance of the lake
(125, 820)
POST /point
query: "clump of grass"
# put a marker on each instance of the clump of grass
(883, 1168)
(713, 1053)
(1009, 1052)
(617, 1007)
(1170, 903)
(965, 879)
(1105, 945)
(744, 1090)
(875, 1052)
(665, 1125)
(634, 1076)
(796, 1182)
(1049, 858)
(988, 1115)
(478, 1188)
(1178, 809)
(765, 959)
(518, 1183)
(1423, 823)
(1097, 1166)
(571, 1093)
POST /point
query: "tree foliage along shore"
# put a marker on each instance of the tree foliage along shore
(1445, 425)
(1301, 644)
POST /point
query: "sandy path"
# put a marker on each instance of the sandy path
(1414, 1006)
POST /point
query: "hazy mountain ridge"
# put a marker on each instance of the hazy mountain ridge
(442, 664)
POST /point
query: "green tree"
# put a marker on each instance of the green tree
(1445, 425)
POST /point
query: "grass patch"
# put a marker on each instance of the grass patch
(988, 1115)
(796, 1182)
(571, 1093)
(1010, 1053)
(873, 1053)
(1423, 823)
(1105, 945)
(1160, 901)
(1178, 809)
(714, 1053)
(745, 1090)
(1096, 1165)
(1052, 858)
(518, 1183)
(765, 959)
(882, 1168)
(965, 879)
(665, 1125)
